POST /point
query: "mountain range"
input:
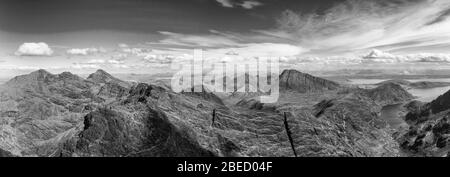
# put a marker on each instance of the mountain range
(45, 114)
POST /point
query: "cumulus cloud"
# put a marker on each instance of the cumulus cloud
(86, 51)
(34, 49)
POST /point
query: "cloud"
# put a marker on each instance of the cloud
(260, 50)
(250, 4)
(34, 49)
(384, 57)
(231, 53)
(225, 3)
(100, 63)
(358, 25)
(86, 51)
(137, 51)
(378, 54)
(122, 45)
(195, 41)
(160, 59)
(120, 56)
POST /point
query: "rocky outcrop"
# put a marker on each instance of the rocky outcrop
(429, 130)
(109, 133)
(203, 93)
(442, 103)
(4, 153)
(356, 119)
(388, 94)
(301, 82)
(428, 138)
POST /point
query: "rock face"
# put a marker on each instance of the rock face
(357, 121)
(109, 133)
(429, 129)
(441, 104)
(40, 108)
(4, 153)
(301, 82)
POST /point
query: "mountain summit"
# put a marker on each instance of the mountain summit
(101, 76)
(302, 82)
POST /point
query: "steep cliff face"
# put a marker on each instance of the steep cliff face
(429, 133)
(301, 82)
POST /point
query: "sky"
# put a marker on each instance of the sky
(145, 36)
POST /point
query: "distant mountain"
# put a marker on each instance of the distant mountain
(301, 82)
(416, 85)
(389, 93)
(103, 77)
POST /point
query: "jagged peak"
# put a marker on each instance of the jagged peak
(293, 79)
(292, 72)
(40, 72)
(101, 76)
(100, 72)
(69, 75)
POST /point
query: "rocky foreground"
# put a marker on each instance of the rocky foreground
(44, 114)
(429, 132)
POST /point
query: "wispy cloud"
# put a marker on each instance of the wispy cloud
(246, 4)
(358, 25)
(86, 51)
